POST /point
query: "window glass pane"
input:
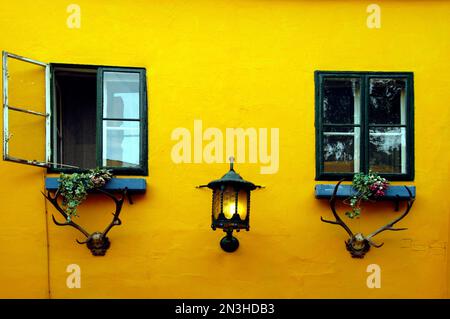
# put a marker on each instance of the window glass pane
(341, 150)
(26, 85)
(121, 141)
(341, 101)
(387, 103)
(121, 95)
(387, 150)
(26, 136)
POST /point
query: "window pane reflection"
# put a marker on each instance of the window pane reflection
(341, 101)
(387, 103)
(341, 150)
(121, 143)
(121, 95)
(387, 150)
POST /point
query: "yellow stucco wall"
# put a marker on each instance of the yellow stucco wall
(247, 63)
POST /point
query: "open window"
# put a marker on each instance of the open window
(92, 117)
(26, 110)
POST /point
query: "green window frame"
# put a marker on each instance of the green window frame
(141, 119)
(363, 129)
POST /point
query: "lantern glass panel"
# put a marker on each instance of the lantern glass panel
(229, 201)
(243, 204)
(216, 203)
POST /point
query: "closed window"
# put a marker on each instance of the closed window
(364, 121)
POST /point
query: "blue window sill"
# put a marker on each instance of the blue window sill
(134, 185)
(344, 191)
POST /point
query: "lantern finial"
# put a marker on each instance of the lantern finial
(231, 163)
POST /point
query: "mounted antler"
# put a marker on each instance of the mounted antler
(409, 204)
(358, 244)
(97, 242)
(119, 203)
(54, 201)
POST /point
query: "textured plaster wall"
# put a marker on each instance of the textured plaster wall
(246, 63)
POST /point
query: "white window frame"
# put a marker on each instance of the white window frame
(7, 108)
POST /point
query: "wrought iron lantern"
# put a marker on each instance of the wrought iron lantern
(231, 206)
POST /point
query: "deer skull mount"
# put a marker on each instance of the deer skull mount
(358, 244)
(97, 242)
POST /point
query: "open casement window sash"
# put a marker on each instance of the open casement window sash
(18, 108)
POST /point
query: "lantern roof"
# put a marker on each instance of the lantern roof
(232, 178)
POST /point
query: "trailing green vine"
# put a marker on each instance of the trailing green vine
(74, 187)
(367, 186)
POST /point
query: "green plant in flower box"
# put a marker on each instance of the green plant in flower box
(74, 187)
